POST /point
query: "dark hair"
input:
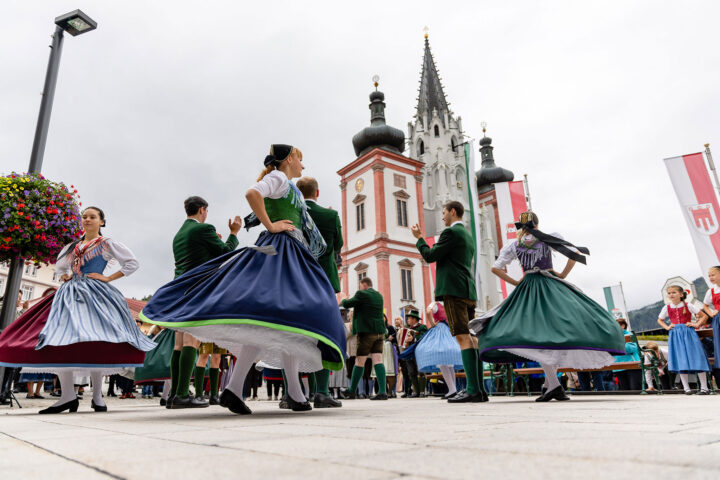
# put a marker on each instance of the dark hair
(193, 204)
(683, 293)
(455, 205)
(101, 214)
(366, 281)
(308, 186)
(622, 320)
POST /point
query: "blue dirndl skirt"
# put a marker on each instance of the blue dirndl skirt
(685, 352)
(281, 302)
(716, 340)
(438, 347)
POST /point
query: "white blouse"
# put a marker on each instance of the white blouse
(708, 296)
(508, 252)
(114, 250)
(664, 312)
(273, 185)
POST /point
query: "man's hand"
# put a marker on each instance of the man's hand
(417, 233)
(235, 225)
(340, 297)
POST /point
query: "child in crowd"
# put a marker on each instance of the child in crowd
(685, 352)
(712, 305)
(647, 360)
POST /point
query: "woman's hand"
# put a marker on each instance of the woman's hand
(99, 276)
(670, 327)
(66, 277)
(281, 226)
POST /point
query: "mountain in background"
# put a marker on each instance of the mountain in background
(645, 319)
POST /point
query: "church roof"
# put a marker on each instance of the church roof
(431, 94)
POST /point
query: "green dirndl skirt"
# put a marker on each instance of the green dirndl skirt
(157, 361)
(548, 320)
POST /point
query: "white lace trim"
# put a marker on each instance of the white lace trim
(580, 359)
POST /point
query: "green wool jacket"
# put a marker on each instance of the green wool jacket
(453, 254)
(367, 308)
(328, 222)
(196, 243)
(420, 331)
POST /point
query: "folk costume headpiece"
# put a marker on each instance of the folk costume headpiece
(278, 153)
(528, 221)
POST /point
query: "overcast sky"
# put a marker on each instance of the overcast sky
(173, 98)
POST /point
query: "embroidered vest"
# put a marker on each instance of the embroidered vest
(91, 260)
(680, 315)
(533, 255)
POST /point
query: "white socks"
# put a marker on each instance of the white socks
(67, 386)
(245, 358)
(448, 373)
(703, 381)
(96, 379)
(551, 380)
(649, 379)
(166, 390)
(685, 382)
(290, 365)
(306, 386)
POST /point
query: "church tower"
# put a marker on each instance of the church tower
(435, 139)
(381, 199)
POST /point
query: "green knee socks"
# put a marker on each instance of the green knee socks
(174, 372)
(214, 381)
(357, 374)
(199, 377)
(188, 357)
(322, 378)
(381, 378)
(470, 363)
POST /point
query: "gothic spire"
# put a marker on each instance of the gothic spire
(431, 91)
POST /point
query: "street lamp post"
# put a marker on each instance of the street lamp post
(75, 23)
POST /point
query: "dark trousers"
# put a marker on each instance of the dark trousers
(597, 381)
(629, 380)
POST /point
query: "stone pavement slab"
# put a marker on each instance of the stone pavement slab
(669, 436)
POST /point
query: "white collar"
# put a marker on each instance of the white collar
(679, 305)
(194, 219)
(455, 223)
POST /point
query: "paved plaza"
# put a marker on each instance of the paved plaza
(670, 436)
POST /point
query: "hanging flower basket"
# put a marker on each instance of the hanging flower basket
(37, 217)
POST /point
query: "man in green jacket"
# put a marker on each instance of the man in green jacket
(328, 222)
(194, 244)
(455, 287)
(369, 324)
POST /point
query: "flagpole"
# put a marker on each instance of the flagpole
(625, 309)
(527, 192)
(712, 166)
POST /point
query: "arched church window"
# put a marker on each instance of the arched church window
(437, 131)
(421, 147)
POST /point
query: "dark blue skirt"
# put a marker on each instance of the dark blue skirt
(282, 303)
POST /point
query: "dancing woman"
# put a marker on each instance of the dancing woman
(546, 319)
(86, 326)
(270, 302)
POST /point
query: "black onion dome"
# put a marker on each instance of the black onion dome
(378, 134)
(490, 173)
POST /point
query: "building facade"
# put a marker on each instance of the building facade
(35, 279)
(381, 199)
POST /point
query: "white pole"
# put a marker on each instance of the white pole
(625, 309)
(527, 192)
(712, 166)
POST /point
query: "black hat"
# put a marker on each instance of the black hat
(278, 153)
(413, 313)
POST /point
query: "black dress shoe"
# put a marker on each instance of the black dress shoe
(163, 402)
(234, 403)
(448, 396)
(214, 400)
(350, 395)
(111, 394)
(298, 406)
(484, 396)
(168, 403)
(415, 395)
(464, 397)
(324, 401)
(72, 406)
(379, 396)
(311, 398)
(556, 393)
(405, 395)
(284, 405)
(98, 408)
(188, 402)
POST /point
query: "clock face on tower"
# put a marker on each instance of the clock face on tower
(359, 185)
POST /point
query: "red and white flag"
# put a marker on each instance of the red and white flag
(511, 203)
(699, 205)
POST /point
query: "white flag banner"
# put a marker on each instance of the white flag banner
(615, 300)
(510, 203)
(698, 204)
